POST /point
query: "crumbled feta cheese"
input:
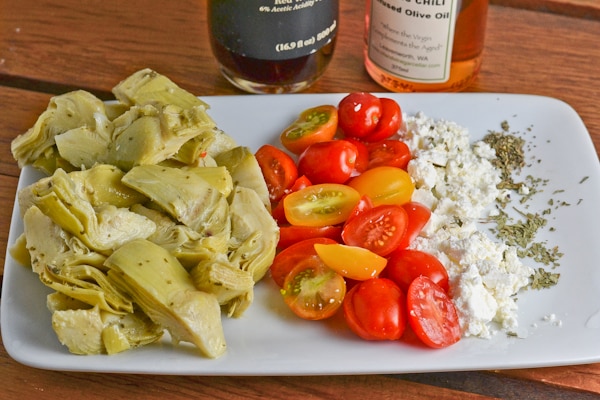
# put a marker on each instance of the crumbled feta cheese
(458, 182)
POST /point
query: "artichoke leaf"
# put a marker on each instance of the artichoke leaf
(254, 232)
(185, 196)
(164, 290)
(64, 112)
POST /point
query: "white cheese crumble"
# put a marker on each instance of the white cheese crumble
(457, 181)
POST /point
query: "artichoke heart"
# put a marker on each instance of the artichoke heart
(245, 171)
(183, 194)
(65, 112)
(149, 87)
(163, 289)
(101, 228)
(254, 232)
(92, 331)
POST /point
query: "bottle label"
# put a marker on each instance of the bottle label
(412, 39)
(273, 29)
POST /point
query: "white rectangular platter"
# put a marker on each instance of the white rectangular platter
(560, 325)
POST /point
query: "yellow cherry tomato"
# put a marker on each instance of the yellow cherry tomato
(384, 185)
(351, 261)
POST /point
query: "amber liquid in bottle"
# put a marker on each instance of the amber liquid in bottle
(467, 51)
(266, 46)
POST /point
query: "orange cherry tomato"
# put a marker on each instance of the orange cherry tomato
(320, 205)
(384, 185)
(313, 125)
(351, 262)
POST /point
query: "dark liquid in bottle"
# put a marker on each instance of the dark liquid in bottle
(273, 76)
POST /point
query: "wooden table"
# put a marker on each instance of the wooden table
(545, 47)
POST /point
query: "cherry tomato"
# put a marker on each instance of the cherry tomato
(379, 229)
(389, 123)
(320, 205)
(404, 265)
(418, 216)
(384, 185)
(328, 162)
(432, 314)
(351, 262)
(278, 169)
(314, 125)
(358, 114)
(277, 211)
(363, 204)
(312, 290)
(288, 258)
(290, 234)
(392, 153)
(362, 157)
(375, 309)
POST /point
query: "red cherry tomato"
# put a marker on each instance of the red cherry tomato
(389, 123)
(314, 125)
(363, 204)
(328, 162)
(404, 265)
(312, 290)
(362, 157)
(392, 153)
(379, 229)
(290, 234)
(432, 314)
(278, 169)
(418, 216)
(375, 309)
(358, 114)
(288, 258)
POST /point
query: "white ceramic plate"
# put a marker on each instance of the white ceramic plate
(268, 340)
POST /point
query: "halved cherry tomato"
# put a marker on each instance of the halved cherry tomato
(379, 229)
(288, 258)
(418, 216)
(278, 169)
(290, 234)
(358, 114)
(432, 314)
(332, 161)
(351, 262)
(312, 290)
(384, 185)
(375, 309)
(362, 157)
(404, 265)
(320, 205)
(392, 153)
(314, 125)
(389, 123)
(277, 211)
(363, 204)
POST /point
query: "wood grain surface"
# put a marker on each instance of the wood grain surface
(544, 47)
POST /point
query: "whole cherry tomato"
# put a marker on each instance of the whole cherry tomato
(328, 162)
(290, 234)
(358, 114)
(375, 309)
(404, 265)
(392, 153)
(278, 169)
(389, 122)
(384, 185)
(379, 229)
(362, 157)
(314, 125)
(312, 290)
(432, 314)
